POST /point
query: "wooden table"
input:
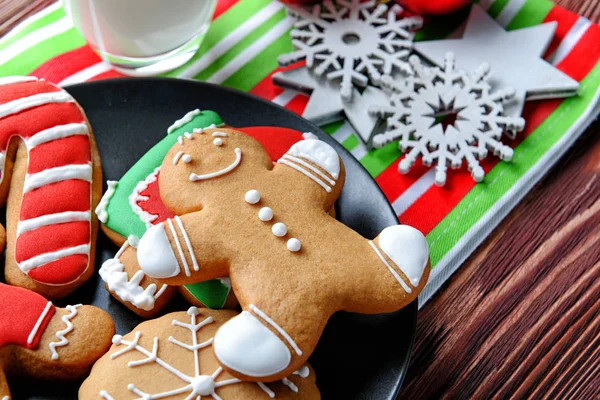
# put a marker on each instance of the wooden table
(522, 316)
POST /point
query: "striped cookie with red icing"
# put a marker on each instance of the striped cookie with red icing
(50, 180)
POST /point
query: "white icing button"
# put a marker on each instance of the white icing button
(265, 214)
(245, 345)
(279, 229)
(218, 141)
(293, 244)
(155, 255)
(252, 196)
(407, 248)
(186, 158)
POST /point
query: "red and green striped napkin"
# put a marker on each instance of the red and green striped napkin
(241, 50)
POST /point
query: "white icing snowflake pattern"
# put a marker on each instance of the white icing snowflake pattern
(352, 41)
(198, 385)
(418, 102)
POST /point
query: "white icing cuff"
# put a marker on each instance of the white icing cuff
(245, 345)
(407, 248)
(318, 152)
(155, 255)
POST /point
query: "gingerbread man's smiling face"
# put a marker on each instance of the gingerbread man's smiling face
(208, 161)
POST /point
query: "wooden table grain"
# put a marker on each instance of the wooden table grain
(521, 317)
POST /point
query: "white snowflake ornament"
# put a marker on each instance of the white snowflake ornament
(352, 41)
(418, 103)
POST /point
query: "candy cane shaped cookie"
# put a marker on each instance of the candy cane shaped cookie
(51, 177)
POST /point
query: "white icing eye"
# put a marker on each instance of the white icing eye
(218, 142)
(252, 196)
(186, 158)
(294, 245)
(279, 229)
(265, 214)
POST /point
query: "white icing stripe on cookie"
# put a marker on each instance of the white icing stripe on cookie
(266, 389)
(51, 219)
(177, 157)
(9, 80)
(36, 327)
(188, 243)
(56, 132)
(181, 254)
(66, 319)
(46, 258)
(283, 333)
(15, 106)
(219, 134)
(52, 175)
(104, 394)
(307, 165)
(396, 275)
(180, 122)
(290, 384)
(101, 207)
(305, 172)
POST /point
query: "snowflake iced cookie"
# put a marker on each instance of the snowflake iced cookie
(133, 204)
(266, 226)
(438, 92)
(352, 41)
(40, 340)
(50, 180)
(171, 357)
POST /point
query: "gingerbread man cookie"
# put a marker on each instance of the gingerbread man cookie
(291, 264)
(42, 341)
(133, 204)
(50, 180)
(171, 357)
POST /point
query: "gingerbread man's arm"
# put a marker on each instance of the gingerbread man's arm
(182, 250)
(315, 170)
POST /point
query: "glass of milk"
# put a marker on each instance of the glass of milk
(142, 37)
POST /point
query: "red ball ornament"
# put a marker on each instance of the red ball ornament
(433, 7)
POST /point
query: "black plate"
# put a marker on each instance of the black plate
(359, 356)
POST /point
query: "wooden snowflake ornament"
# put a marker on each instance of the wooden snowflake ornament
(352, 42)
(418, 103)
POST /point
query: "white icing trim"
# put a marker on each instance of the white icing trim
(396, 275)
(113, 274)
(184, 120)
(8, 398)
(66, 319)
(305, 172)
(52, 175)
(177, 157)
(46, 258)
(145, 216)
(101, 207)
(266, 389)
(36, 327)
(186, 158)
(180, 140)
(283, 333)
(188, 243)
(302, 372)
(319, 153)
(290, 384)
(219, 134)
(56, 132)
(15, 106)
(312, 168)
(188, 135)
(51, 219)
(8, 80)
(186, 267)
(238, 158)
(218, 142)
(104, 394)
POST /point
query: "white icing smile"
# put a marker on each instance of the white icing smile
(231, 167)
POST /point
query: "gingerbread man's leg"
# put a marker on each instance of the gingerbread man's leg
(276, 334)
(126, 281)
